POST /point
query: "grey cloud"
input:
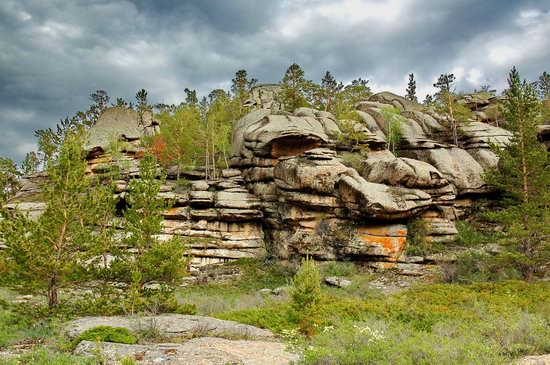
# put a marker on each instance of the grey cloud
(55, 53)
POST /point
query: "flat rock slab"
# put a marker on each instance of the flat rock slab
(172, 325)
(198, 351)
(535, 360)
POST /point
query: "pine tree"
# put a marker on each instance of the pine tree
(121, 103)
(30, 164)
(100, 101)
(428, 100)
(241, 85)
(191, 97)
(292, 88)
(523, 177)
(142, 105)
(179, 140)
(543, 86)
(352, 93)
(47, 253)
(446, 104)
(306, 296)
(143, 259)
(411, 88)
(9, 179)
(329, 90)
(394, 127)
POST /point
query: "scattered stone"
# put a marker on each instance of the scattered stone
(338, 281)
(199, 185)
(280, 290)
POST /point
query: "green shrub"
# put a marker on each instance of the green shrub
(16, 328)
(469, 235)
(478, 266)
(417, 243)
(338, 268)
(262, 273)
(106, 334)
(306, 296)
(353, 160)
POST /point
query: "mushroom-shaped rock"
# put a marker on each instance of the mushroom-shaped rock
(118, 123)
(282, 135)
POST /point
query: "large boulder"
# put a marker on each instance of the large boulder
(203, 351)
(457, 165)
(170, 325)
(380, 201)
(384, 168)
(315, 171)
(284, 135)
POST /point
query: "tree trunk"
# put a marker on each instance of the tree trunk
(52, 293)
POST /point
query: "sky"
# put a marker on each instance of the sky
(55, 53)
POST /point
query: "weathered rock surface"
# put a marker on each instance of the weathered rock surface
(117, 124)
(171, 325)
(294, 174)
(534, 360)
(198, 351)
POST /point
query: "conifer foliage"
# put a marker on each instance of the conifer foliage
(142, 258)
(411, 88)
(306, 296)
(47, 253)
(523, 177)
(456, 114)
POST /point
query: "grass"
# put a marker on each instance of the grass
(482, 323)
(242, 293)
(477, 323)
(44, 356)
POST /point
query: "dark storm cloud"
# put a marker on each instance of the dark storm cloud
(53, 54)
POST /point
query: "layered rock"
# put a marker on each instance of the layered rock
(307, 183)
(295, 165)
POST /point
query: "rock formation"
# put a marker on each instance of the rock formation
(292, 190)
(314, 204)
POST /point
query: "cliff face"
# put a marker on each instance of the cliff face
(290, 189)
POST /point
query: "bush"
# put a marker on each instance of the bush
(354, 160)
(17, 328)
(417, 243)
(478, 266)
(495, 340)
(469, 235)
(106, 334)
(306, 296)
(338, 268)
